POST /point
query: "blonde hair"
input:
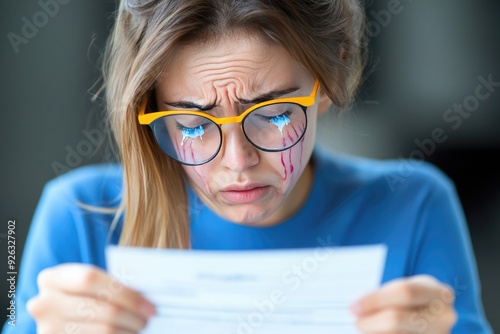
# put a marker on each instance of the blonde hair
(327, 37)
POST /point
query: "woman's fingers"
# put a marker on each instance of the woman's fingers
(93, 282)
(63, 309)
(79, 328)
(413, 292)
(419, 304)
(85, 299)
(397, 320)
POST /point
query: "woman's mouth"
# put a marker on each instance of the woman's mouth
(244, 194)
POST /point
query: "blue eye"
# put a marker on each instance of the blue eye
(279, 120)
(192, 133)
(193, 129)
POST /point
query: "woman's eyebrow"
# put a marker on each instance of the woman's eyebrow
(261, 98)
(269, 96)
(190, 105)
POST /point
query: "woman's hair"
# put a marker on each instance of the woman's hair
(325, 36)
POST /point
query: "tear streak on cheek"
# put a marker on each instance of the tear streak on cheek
(288, 166)
(285, 176)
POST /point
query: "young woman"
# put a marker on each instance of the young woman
(214, 106)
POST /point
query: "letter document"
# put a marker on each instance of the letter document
(293, 291)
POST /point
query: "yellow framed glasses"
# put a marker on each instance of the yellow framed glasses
(195, 137)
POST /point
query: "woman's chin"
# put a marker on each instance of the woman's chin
(251, 217)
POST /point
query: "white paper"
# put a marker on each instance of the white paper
(250, 292)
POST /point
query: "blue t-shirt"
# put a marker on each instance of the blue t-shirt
(410, 206)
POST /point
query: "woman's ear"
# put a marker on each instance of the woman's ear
(324, 102)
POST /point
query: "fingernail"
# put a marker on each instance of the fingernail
(148, 309)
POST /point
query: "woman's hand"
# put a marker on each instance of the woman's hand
(419, 304)
(77, 298)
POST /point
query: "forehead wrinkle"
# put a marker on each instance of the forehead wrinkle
(223, 76)
(227, 55)
(212, 70)
(243, 66)
(220, 93)
(227, 90)
(242, 75)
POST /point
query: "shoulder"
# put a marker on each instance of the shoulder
(98, 184)
(384, 176)
(74, 215)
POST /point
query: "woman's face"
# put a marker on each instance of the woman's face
(242, 183)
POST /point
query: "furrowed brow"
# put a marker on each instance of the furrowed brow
(269, 96)
(261, 98)
(190, 105)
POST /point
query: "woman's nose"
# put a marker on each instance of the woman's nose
(238, 154)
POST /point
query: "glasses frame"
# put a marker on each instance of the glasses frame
(303, 101)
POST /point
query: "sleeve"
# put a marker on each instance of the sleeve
(51, 240)
(444, 250)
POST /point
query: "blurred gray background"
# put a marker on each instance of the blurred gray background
(421, 100)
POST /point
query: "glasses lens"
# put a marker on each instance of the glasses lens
(189, 139)
(276, 127)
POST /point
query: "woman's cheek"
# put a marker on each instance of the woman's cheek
(198, 176)
(291, 160)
